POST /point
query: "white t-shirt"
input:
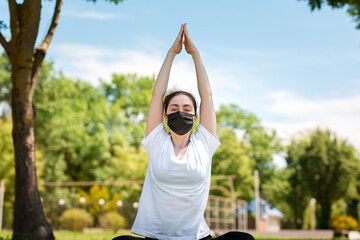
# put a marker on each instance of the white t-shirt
(175, 192)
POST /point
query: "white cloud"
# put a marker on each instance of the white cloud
(94, 15)
(341, 115)
(91, 63)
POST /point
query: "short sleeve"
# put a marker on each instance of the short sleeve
(155, 136)
(211, 142)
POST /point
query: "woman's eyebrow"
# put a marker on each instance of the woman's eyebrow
(185, 105)
(177, 105)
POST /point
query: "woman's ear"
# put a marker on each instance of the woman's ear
(195, 117)
(165, 117)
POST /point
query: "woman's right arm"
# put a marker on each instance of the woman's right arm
(155, 113)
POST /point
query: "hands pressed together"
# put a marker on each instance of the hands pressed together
(188, 43)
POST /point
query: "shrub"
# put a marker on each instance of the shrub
(76, 219)
(114, 221)
(343, 223)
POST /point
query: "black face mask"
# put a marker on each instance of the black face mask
(180, 122)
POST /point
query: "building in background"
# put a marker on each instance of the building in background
(270, 216)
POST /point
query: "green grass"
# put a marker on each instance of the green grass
(5, 234)
(69, 235)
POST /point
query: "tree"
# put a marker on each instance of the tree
(297, 195)
(353, 196)
(260, 144)
(327, 166)
(73, 134)
(352, 5)
(130, 94)
(232, 158)
(26, 60)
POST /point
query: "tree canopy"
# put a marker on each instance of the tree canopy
(353, 7)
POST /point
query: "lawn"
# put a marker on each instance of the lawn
(68, 235)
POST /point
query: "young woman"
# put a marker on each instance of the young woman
(176, 187)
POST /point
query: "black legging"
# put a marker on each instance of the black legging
(226, 236)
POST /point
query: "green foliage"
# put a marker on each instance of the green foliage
(231, 158)
(97, 192)
(281, 192)
(343, 223)
(296, 194)
(7, 169)
(247, 145)
(353, 7)
(86, 135)
(92, 199)
(129, 99)
(70, 126)
(76, 219)
(114, 221)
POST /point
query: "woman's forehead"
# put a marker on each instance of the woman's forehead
(180, 100)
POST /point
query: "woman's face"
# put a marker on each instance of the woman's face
(180, 103)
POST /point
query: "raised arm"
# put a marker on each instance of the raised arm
(155, 113)
(207, 111)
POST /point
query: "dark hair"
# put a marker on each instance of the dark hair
(173, 94)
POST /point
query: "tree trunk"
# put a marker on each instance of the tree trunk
(353, 208)
(325, 214)
(29, 218)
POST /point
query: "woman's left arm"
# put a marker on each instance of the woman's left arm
(207, 111)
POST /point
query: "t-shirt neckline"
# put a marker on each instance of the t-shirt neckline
(173, 155)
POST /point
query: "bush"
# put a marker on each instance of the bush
(114, 221)
(76, 219)
(343, 223)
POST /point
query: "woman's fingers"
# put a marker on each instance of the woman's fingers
(181, 33)
(189, 45)
(177, 45)
(185, 30)
(183, 38)
(181, 30)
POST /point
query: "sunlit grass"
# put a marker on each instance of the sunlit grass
(69, 235)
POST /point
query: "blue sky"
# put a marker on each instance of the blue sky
(295, 69)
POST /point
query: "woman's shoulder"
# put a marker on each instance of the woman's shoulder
(157, 135)
(202, 138)
(203, 135)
